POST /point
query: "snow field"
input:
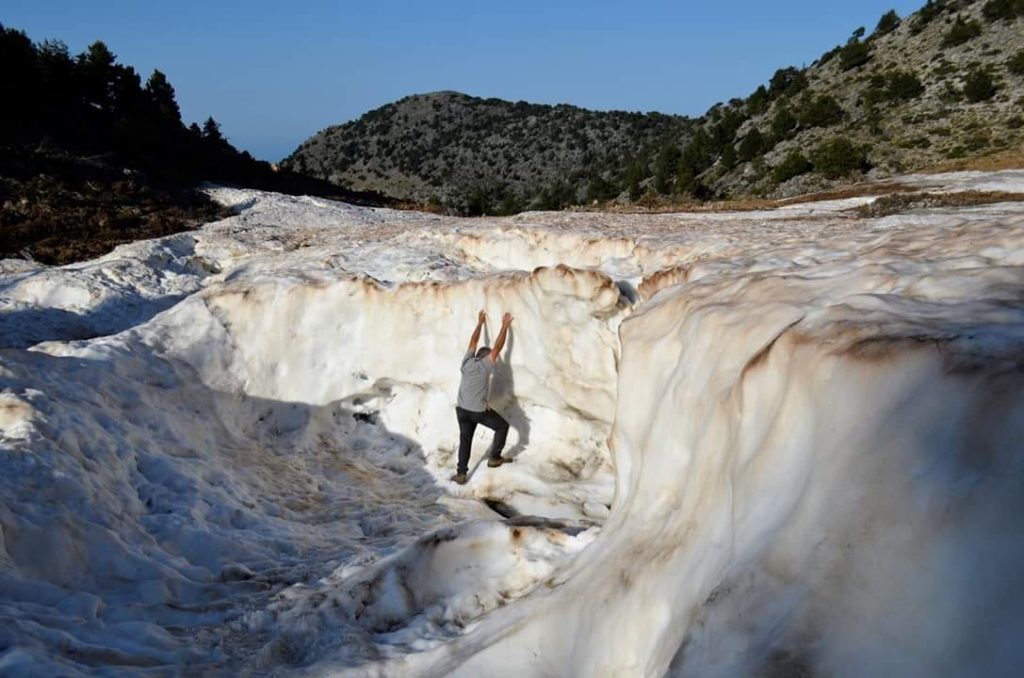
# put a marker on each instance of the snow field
(807, 427)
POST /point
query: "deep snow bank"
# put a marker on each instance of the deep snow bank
(814, 420)
(818, 472)
(291, 420)
(394, 353)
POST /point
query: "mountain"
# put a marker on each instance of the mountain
(485, 154)
(943, 85)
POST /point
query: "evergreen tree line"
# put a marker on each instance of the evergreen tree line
(91, 157)
(90, 105)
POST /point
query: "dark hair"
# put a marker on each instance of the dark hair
(482, 351)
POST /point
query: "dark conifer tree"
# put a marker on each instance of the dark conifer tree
(161, 93)
(98, 75)
(211, 130)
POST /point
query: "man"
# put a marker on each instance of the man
(472, 408)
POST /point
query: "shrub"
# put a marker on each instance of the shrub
(601, 189)
(994, 10)
(838, 157)
(685, 181)
(961, 31)
(688, 184)
(724, 131)
(829, 55)
(699, 153)
(783, 123)
(820, 111)
(901, 86)
(787, 82)
(931, 10)
(979, 86)
(888, 23)
(752, 145)
(1015, 64)
(758, 101)
(793, 165)
(728, 157)
(854, 54)
(634, 175)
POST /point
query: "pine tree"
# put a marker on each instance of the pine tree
(634, 175)
(97, 68)
(161, 93)
(211, 130)
(18, 83)
(665, 167)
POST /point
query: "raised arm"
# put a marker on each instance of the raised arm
(481, 318)
(506, 322)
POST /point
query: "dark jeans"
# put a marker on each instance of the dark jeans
(468, 421)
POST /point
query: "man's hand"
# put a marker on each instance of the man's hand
(506, 319)
(481, 318)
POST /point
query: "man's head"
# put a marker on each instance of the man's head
(483, 351)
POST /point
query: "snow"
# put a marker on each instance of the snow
(780, 442)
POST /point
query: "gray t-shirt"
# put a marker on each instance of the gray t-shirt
(476, 379)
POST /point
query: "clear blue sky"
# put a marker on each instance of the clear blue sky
(273, 73)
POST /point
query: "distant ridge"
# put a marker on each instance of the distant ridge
(483, 154)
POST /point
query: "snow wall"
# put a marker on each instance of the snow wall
(817, 473)
(277, 427)
(394, 353)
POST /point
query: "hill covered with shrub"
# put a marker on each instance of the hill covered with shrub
(944, 84)
(488, 155)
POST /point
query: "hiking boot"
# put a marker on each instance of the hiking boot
(495, 462)
(460, 478)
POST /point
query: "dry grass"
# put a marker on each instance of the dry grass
(59, 222)
(860, 190)
(893, 198)
(413, 206)
(666, 205)
(1012, 158)
(897, 203)
(1005, 159)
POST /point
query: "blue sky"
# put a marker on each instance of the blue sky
(273, 73)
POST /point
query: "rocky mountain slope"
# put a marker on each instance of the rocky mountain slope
(485, 154)
(944, 83)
